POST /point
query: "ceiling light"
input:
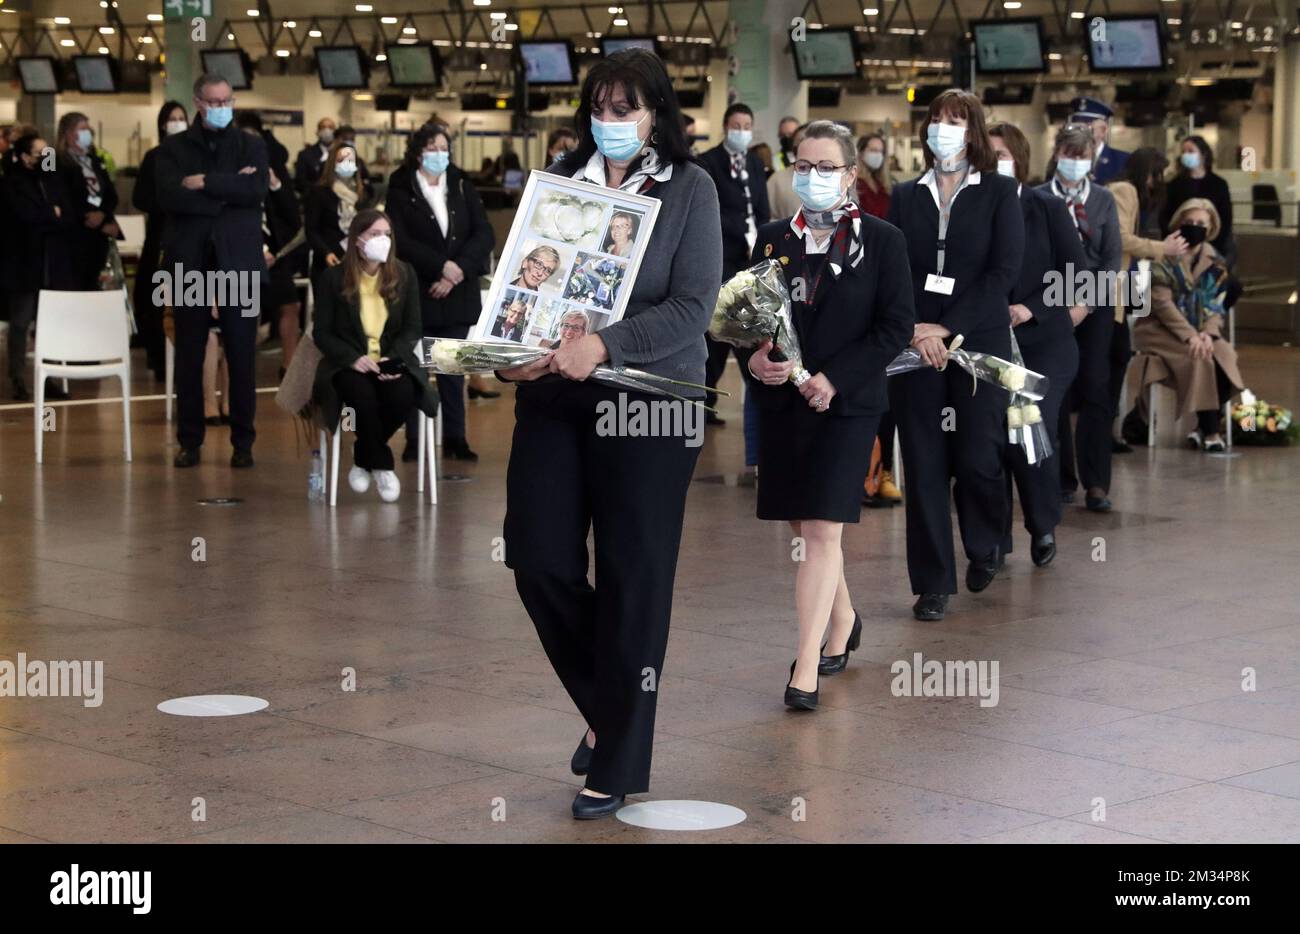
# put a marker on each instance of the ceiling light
(145, 40)
(314, 33)
(410, 30)
(253, 12)
(64, 21)
(497, 16)
(388, 20)
(67, 42)
(364, 8)
(620, 21)
(281, 53)
(106, 30)
(154, 17)
(381, 57)
(290, 24)
(103, 50)
(870, 11)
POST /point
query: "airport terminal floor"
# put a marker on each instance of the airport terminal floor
(1123, 682)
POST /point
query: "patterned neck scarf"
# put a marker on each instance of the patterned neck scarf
(87, 166)
(644, 172)
(846, 241)
(1074, 200)
(1202, 296)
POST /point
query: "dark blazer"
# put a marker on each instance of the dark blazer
(35, 256)
(421, 243)
(86, 248)
(321, 225)
(985, 243)
(145, 199)
(856, 325)
(226, 214)
(338, 334)
(1051, 245)
(731, 204)
(1110, 166)
(1104, 250)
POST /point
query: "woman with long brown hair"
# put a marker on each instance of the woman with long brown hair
(331, 204)
(367, 323)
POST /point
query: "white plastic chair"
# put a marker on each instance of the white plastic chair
(331, 447)
(82, 335)
(1173, 435)
(133, 234)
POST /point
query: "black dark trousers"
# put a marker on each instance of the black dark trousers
(1039, 484)
(973, 453)
(715, 365)
(22, 312)
(451, 394)
(1089, 444)
(886, 435)
(381, 408)
(1208, 420)
(1121, 352)
(239, 344)
(606, 643)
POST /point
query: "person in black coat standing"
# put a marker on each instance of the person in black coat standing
(442, 230)
(93, 197)
(39, 222)
(331, 203)
(212, 180)
(965, 239)
(1196, 178)
(741, 180)
(172, 119)
(815, 439)
(1045, 334)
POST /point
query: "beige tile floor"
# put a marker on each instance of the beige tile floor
(1120, 680)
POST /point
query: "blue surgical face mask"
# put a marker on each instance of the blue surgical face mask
(817, 193)
(435, 162)
(945, 140)
(739, 140)
(1190, 160)
(618, 141)
(1074, 170)
(345, 169)
(219, 117)
(84, 139)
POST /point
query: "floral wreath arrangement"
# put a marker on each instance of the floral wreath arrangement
(1255, 421)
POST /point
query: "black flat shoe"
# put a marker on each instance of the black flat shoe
(212, 421)
(834, 664)
(581, 761)
(1120, 447)
(979, 574)
(587, 807)
(186, 457)
(241, 459)
(717, 420)
(1043, 549)
(796, 699)
(458, 449)
(485, 394)
(930, 607)
(1097, 503)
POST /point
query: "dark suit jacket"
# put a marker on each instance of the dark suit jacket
(856, 325)
(339, 336)
(34, 256)
(1103, 249)
(226, 214)
(731, 204)
(1051, 244)
(421, 243)
(985, 243)
(86, 248)
(1110, 166)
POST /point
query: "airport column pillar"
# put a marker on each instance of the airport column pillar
(761, 70)
(1286, 106)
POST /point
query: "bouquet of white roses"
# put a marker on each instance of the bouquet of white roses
(982, 367)
(1025, 421)
(754, 306)
(452, 357)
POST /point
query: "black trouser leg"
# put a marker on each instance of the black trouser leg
(22, 312)
(714, 366)
(1092, 436)
(886, 435)
(239, 344)
(607, 645)
(191, 335)
(1069, 478)
(917, 400)
(381, 406)
(978, 453)
(1121, 351)
(1207, 421)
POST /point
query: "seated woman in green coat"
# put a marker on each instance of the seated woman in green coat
(367, 324)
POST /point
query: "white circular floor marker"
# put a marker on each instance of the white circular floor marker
(681, 815)
(212, 705)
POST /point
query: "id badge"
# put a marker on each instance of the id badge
(941, 284)
(94, 200)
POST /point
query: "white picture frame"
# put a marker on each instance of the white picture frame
(569, 263)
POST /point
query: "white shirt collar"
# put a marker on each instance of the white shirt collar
(929, 181)
(594, 171)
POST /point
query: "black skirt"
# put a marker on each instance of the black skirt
(812, 465)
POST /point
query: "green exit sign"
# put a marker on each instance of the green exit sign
(185, 9)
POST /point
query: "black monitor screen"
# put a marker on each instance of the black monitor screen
(412, 66)
(548, 62)
(230, 64)
(340, 68)
(825, 53)
(95, 74)
(1129, 43)
(1008, 46)
(38, 75)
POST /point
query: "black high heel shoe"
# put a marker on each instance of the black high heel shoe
(834, 664)
(796, 699)
(580, 764)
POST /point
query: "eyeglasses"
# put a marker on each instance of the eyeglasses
(824, 169)
(573, 327)
(540, 266)
(225, 103)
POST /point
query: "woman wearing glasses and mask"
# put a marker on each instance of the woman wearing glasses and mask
(815, 439)
(565, 478)
(965, 240)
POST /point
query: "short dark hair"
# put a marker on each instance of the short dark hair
(642, 76)
(1017, 145)
(959, 103)
(346, 129)
(207, 79)
(1207, 154)
(416, 142)
(21, 147)
(737, 108)
(166, 111)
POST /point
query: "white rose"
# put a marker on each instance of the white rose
(1014, 419)
(1032, 415)
(568, 220)
(1013, 378)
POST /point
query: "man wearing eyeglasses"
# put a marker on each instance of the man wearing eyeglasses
(212, 180)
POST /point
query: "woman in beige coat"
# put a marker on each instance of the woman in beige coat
(1181, 343)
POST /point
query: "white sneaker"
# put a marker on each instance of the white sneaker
(359, 479)
(388, 485)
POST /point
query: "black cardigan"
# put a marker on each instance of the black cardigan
(857, 324)
(1051, 246)
(985, 243)
(421, 243)
(340, 338)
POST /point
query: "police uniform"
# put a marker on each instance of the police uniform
(1110, 163)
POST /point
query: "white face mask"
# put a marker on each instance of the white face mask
(1007, 167)
(874, 160)
(176, 126)
(376, 248)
